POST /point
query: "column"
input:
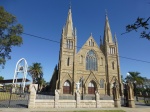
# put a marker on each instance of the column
(131, 101)
(116, 95)
(78, 99)
(32, 96)
(97, 99)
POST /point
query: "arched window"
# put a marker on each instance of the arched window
(91, 88)
(67, 87)
(69, 44)
(93, 44)
(113, 65)
(102, 83)
(91, 61)
(112, 50)
(68, 61)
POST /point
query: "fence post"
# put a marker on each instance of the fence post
(130, 95)
(116, 95)
(56, 98)
(78, 99)
(32, 96)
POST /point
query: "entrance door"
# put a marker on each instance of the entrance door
(67, 88)
(91, 88)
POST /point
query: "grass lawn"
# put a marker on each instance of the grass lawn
(98, 111)
(91, 111)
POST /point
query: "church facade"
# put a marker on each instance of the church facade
(93, 67)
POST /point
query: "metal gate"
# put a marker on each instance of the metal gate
(13, 100)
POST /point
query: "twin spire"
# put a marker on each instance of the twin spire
(69, 32)
(107, 32)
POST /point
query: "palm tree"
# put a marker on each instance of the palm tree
(35, 71)
(41, 83)
(135, 76)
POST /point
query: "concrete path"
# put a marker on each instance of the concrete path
(146, 109)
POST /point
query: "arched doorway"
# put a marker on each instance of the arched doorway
(91, 88)
(67, 87)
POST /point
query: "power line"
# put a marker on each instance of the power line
(39, 37)
(134, 59)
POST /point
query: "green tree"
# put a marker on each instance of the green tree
(135, 76)
(142, 25)
(36, 72)
(41, 83)
(1, 78)
(10, 34)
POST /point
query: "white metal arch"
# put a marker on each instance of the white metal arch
(21, 67)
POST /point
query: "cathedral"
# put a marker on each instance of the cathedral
(92, 68)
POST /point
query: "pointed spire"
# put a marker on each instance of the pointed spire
(107, 31)
(101, 41)
(91, 34)
(69, 24)
(75, 32)
(115, 39)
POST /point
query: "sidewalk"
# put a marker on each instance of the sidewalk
(146, 109)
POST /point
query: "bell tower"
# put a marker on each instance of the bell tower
(110, 49)
(67, 53)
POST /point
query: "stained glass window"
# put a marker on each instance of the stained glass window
(91, 61)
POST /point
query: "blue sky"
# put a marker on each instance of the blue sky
(46, 18)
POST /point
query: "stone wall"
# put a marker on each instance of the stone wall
(72, 104)
(44, 103)
(57, 103)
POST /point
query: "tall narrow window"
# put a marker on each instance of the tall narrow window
(113, 65)
(102, 83)
(91, 61)
(69, 44)
(93, 44)
(112, 50)
(68, 61)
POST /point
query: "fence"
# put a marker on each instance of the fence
(13, 100)
(59, 101)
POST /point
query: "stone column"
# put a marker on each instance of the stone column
(116, 96)
(32, 96)
(78, 98)
(56, 98)
(130, 95)
(97, 99)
